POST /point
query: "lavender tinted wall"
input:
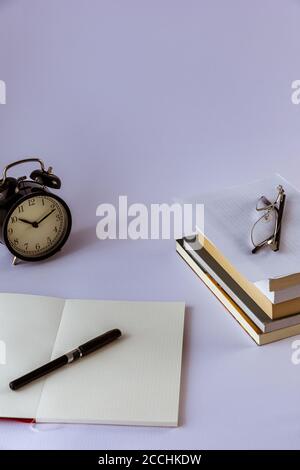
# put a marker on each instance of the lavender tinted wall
(157, 100)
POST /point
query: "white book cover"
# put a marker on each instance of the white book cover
(276, 297)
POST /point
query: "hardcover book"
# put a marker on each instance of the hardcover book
(271, 278)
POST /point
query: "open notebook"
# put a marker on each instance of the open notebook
(132, 381)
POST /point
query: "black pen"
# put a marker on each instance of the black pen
(74, 355)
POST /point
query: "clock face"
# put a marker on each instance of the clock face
(37, 227)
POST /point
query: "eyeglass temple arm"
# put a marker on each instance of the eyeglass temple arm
(279, 219)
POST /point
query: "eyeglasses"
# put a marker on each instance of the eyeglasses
(266, 230)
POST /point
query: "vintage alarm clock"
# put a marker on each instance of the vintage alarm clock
(34, 222)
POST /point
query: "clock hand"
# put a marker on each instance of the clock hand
(36, 223)
(25, 221)
(45, 217)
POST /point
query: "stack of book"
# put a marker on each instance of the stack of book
(261, 290)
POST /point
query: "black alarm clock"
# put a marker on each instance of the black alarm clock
(34, 222)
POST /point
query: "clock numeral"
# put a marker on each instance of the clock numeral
(20, 209)
(52, 205)
(37, 246)
(10, 231)
(31, 202)
(58, 217)
(49, 241)
(14, 219)
(16, 241)
(43, 202)
(26, 246)
(55, 229)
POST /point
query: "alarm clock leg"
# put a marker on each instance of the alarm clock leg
(15, 261)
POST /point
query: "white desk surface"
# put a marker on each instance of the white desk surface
(156, 101)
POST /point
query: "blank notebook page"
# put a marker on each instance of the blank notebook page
(28, 328)
(134, 380)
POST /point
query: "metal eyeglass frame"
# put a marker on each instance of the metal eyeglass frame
(277, 207)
